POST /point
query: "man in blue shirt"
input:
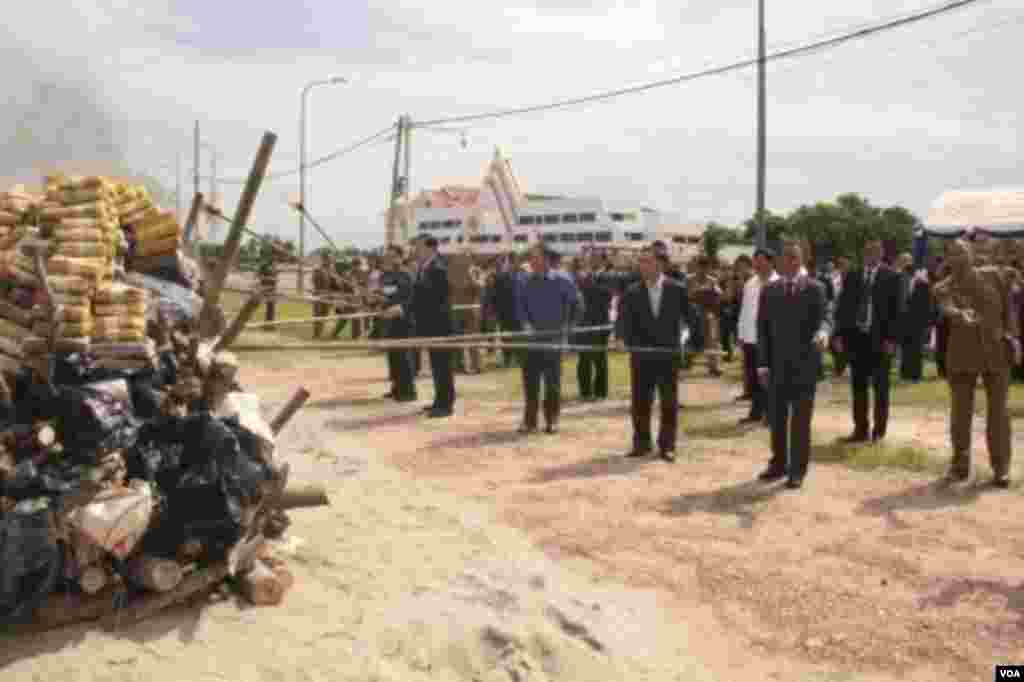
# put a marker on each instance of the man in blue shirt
(549, 303)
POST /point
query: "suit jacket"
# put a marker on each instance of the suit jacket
(919, 309)
(887, 302)
(980, 347)
(637, 325)
(501, 297)
(431, 308)
(786, 329)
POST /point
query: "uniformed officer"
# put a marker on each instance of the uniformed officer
(706, 297)
(268, 275)
(396, 286)
(983, 329)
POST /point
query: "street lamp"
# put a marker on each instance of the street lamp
(335, 80)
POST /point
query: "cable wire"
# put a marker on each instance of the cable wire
(848, 36)
(355, 146)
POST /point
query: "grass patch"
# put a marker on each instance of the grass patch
(232, 302)
(877, 456)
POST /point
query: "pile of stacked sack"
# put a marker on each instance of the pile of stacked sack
(119, 337)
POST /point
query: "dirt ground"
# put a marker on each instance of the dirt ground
(458, 550)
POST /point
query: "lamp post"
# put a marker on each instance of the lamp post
(334, 80)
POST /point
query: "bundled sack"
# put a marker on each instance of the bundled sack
(87, 268)
(53, 212)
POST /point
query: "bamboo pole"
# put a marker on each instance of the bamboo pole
(425, 341)
(239, 323)
(245, 204)
(457, 346)
(328, 318)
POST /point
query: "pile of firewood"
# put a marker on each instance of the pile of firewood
(135, 472)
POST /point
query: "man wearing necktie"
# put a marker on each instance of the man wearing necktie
(792, 331)
(869, 320)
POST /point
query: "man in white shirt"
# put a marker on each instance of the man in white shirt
(764, 274)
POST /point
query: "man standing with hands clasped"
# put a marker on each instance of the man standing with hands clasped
(549, 303)
(792, 331)
(654, 313)
(868, 319)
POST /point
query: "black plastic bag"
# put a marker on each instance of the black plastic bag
(91, 421)
(208, 470)
(30, 563)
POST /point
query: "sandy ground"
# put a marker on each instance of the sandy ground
(458, 550)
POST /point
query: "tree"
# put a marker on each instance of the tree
(775, 224)
(717, 235)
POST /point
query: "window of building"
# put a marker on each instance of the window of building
(550, 237)
(588, 217)
(521, 237)
(603, 237)
(450, 224)
(526, 220)
(618, 217)
(495, 238)
(445, 240)
(550, 220)
(458, 240)
(635, 236)
(424, 226)
(570, 218)
(585, 237)
(568, 236)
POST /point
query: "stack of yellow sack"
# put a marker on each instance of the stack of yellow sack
(15, 206)
(133, 204)
(80, 219)
(15, 327)
(119, 313)
(157, 236)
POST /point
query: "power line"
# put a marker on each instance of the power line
(845, 37)
(378, 137)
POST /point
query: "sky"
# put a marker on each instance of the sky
(900, 117)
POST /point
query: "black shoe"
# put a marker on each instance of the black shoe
(750, 420)
(527, 429)
(770, 475)
(638, 452)
(746, 397)
(668, 455)
(389, 394)
(877, 436)
(552, 428)
(957, 476)
(795, 483)
(715, 373)
(429, 408)
(1002, 481)
(855, 438)
(440, 412)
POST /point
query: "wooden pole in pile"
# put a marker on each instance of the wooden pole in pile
(151, 604)
(193, 216)
(234, 240)
(239, 323)
(295, 404)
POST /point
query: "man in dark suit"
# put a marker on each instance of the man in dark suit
(653, 315)
(592, 365)
(396, 286)
(432, 316)
(500, 300)
(917, 294)
(869, 324)
(792, 331)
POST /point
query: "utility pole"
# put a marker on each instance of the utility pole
(762, 227)
(407, 185)
(390, 237)
(177, 185)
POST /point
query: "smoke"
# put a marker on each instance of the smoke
(54, 117)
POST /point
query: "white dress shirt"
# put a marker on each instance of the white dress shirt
(748, 308)
(654, 292)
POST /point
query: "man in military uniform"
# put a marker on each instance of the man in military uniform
(268, 275)
(396, 286)
(983, 329)
(324, 278)
(706, 298)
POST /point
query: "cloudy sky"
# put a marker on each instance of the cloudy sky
(899, 117)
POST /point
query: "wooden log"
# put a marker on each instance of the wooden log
(234, 239)
(148, 606)
(193, 216)
(160, 575)
(296, 402)
(239, 323)
(93, 579)
(301, 496)
(62, 610)
(261, 586)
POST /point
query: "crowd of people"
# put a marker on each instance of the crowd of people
(772, 311)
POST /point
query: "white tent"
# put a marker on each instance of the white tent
(995, 213)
